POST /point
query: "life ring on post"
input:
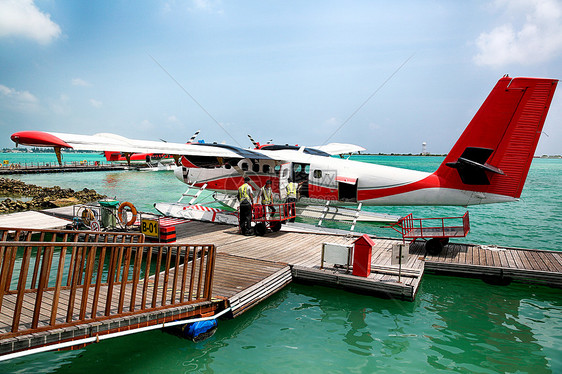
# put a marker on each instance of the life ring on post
(133, 210)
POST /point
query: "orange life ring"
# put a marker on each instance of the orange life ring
(133, 211)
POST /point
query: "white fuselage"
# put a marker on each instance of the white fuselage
(339, 180)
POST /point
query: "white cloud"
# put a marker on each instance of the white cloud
(208, 6)
(23, 18)
(530, 34)
(145, 125)
(61, 106)
(331, 122)
(80, 82)
(18, 96)
(211, 6)
(96, 103)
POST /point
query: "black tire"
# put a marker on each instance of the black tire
(259, 229)
(275, 226)
(434, 246)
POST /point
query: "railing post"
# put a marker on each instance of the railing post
(5, 277)
(124, 279)
(74, 282)
(87, 280)
(184, 273)
(111, 279)
(210, 273)
(166, 276)
(146, 277)
(193, 266)
(58, 285)
(43, 283)
(99, 277)
(156, 277)
(136, 276)
(21, 287)
(201, 266)
(37, 261)
(175, 278)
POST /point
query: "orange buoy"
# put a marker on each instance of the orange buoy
(122, 207)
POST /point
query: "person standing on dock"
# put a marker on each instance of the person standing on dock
(292, 189)
(246, 201)
(266, 197)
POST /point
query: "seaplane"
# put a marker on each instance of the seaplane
(488, 163)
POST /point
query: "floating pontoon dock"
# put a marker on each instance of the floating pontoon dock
(242, 271)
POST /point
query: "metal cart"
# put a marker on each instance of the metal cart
(269, 218)
(435, 231)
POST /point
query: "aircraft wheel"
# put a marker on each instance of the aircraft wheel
(433, 246)
(275, 226)
(259, 229)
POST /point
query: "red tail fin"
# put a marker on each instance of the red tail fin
(111, 156)
(495, 151)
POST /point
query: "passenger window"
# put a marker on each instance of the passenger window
(244, 166)
(256, 168)
(266, 169)
(227, 166)
(317, 174)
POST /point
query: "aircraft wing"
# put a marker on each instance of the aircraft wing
(116, 143)
(339, 148)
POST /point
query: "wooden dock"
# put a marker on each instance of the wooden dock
(499, 264)
(301, 252)
(246, 270)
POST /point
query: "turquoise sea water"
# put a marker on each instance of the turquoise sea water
(463, 325)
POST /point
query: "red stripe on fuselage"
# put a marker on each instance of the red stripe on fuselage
(431, 181)
(323, 193)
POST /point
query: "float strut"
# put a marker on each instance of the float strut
(59, 157)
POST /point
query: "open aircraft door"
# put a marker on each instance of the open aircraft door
(284, 175)
(347, 189)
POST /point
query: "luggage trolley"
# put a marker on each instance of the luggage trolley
(435, 231)
(269, 218)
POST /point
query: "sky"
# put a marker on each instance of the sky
(380, 74)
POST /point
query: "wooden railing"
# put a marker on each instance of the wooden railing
(44, 235)
(46, 285)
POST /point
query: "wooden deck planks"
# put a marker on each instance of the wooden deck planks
(248, 269)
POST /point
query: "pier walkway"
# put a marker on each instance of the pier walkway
(107, 283)
(66, 168)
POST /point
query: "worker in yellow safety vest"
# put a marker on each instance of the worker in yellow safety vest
(292, 190)
(266, 197)
(246, 199)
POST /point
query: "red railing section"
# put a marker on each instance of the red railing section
(441, 227)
